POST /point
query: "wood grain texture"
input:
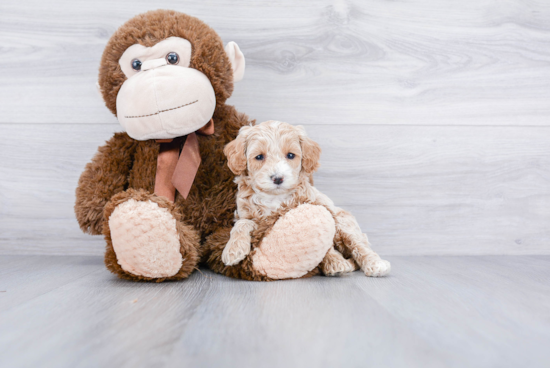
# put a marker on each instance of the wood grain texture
(414, 190)
(475, 62)
(483, 311)
(433, 116)
(28, 278)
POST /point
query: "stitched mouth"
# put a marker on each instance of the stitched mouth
(158, 112)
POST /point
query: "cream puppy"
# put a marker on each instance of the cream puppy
(276, 161)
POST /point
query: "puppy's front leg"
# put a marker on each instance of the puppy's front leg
(334, 264)
(238, 246)
(353, 238)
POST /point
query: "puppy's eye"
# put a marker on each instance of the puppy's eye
(136, 64)
(172, 58)
(290, 155)
(259, 157)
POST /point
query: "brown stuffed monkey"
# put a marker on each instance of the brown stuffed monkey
(161, 193)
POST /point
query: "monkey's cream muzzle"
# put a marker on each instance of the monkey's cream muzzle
(165, 101)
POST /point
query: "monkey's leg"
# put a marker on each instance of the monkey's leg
(293, 247)
(296, 244)
(146, 238)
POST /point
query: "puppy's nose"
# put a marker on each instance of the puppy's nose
(278, 180)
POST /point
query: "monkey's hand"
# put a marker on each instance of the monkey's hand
(238, 246)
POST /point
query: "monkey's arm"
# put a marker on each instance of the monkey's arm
(103, 177)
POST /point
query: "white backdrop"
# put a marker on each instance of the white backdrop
(433, 115)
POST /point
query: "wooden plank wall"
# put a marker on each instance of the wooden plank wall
(433, 115)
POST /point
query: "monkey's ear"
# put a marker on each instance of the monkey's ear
(237, 60)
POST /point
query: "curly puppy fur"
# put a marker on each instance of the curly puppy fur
(127, 167)
(274, 162)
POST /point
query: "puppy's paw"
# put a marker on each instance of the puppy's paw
(377, 268)
(235, 251)
(339, 267)
(335, 264)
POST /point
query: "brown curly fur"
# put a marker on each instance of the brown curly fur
(105, 176)
(125, 167)
(208, 54)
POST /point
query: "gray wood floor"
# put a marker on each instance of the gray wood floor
(462, 311)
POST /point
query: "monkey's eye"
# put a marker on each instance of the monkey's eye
(290, 156)
(172, 58)
(136, 64)
(259, 157)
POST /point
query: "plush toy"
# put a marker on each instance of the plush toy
(158, 190)
(162, 193)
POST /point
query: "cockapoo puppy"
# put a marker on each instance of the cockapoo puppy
(278, 160)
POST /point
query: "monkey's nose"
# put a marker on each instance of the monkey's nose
(152, 64)
(278, 180)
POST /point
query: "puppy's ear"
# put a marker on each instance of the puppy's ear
(235, 151)
(311, 152)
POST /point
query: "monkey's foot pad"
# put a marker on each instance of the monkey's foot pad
(145, 239)
(297, 243)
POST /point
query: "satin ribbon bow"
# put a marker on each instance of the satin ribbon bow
(175, 170)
